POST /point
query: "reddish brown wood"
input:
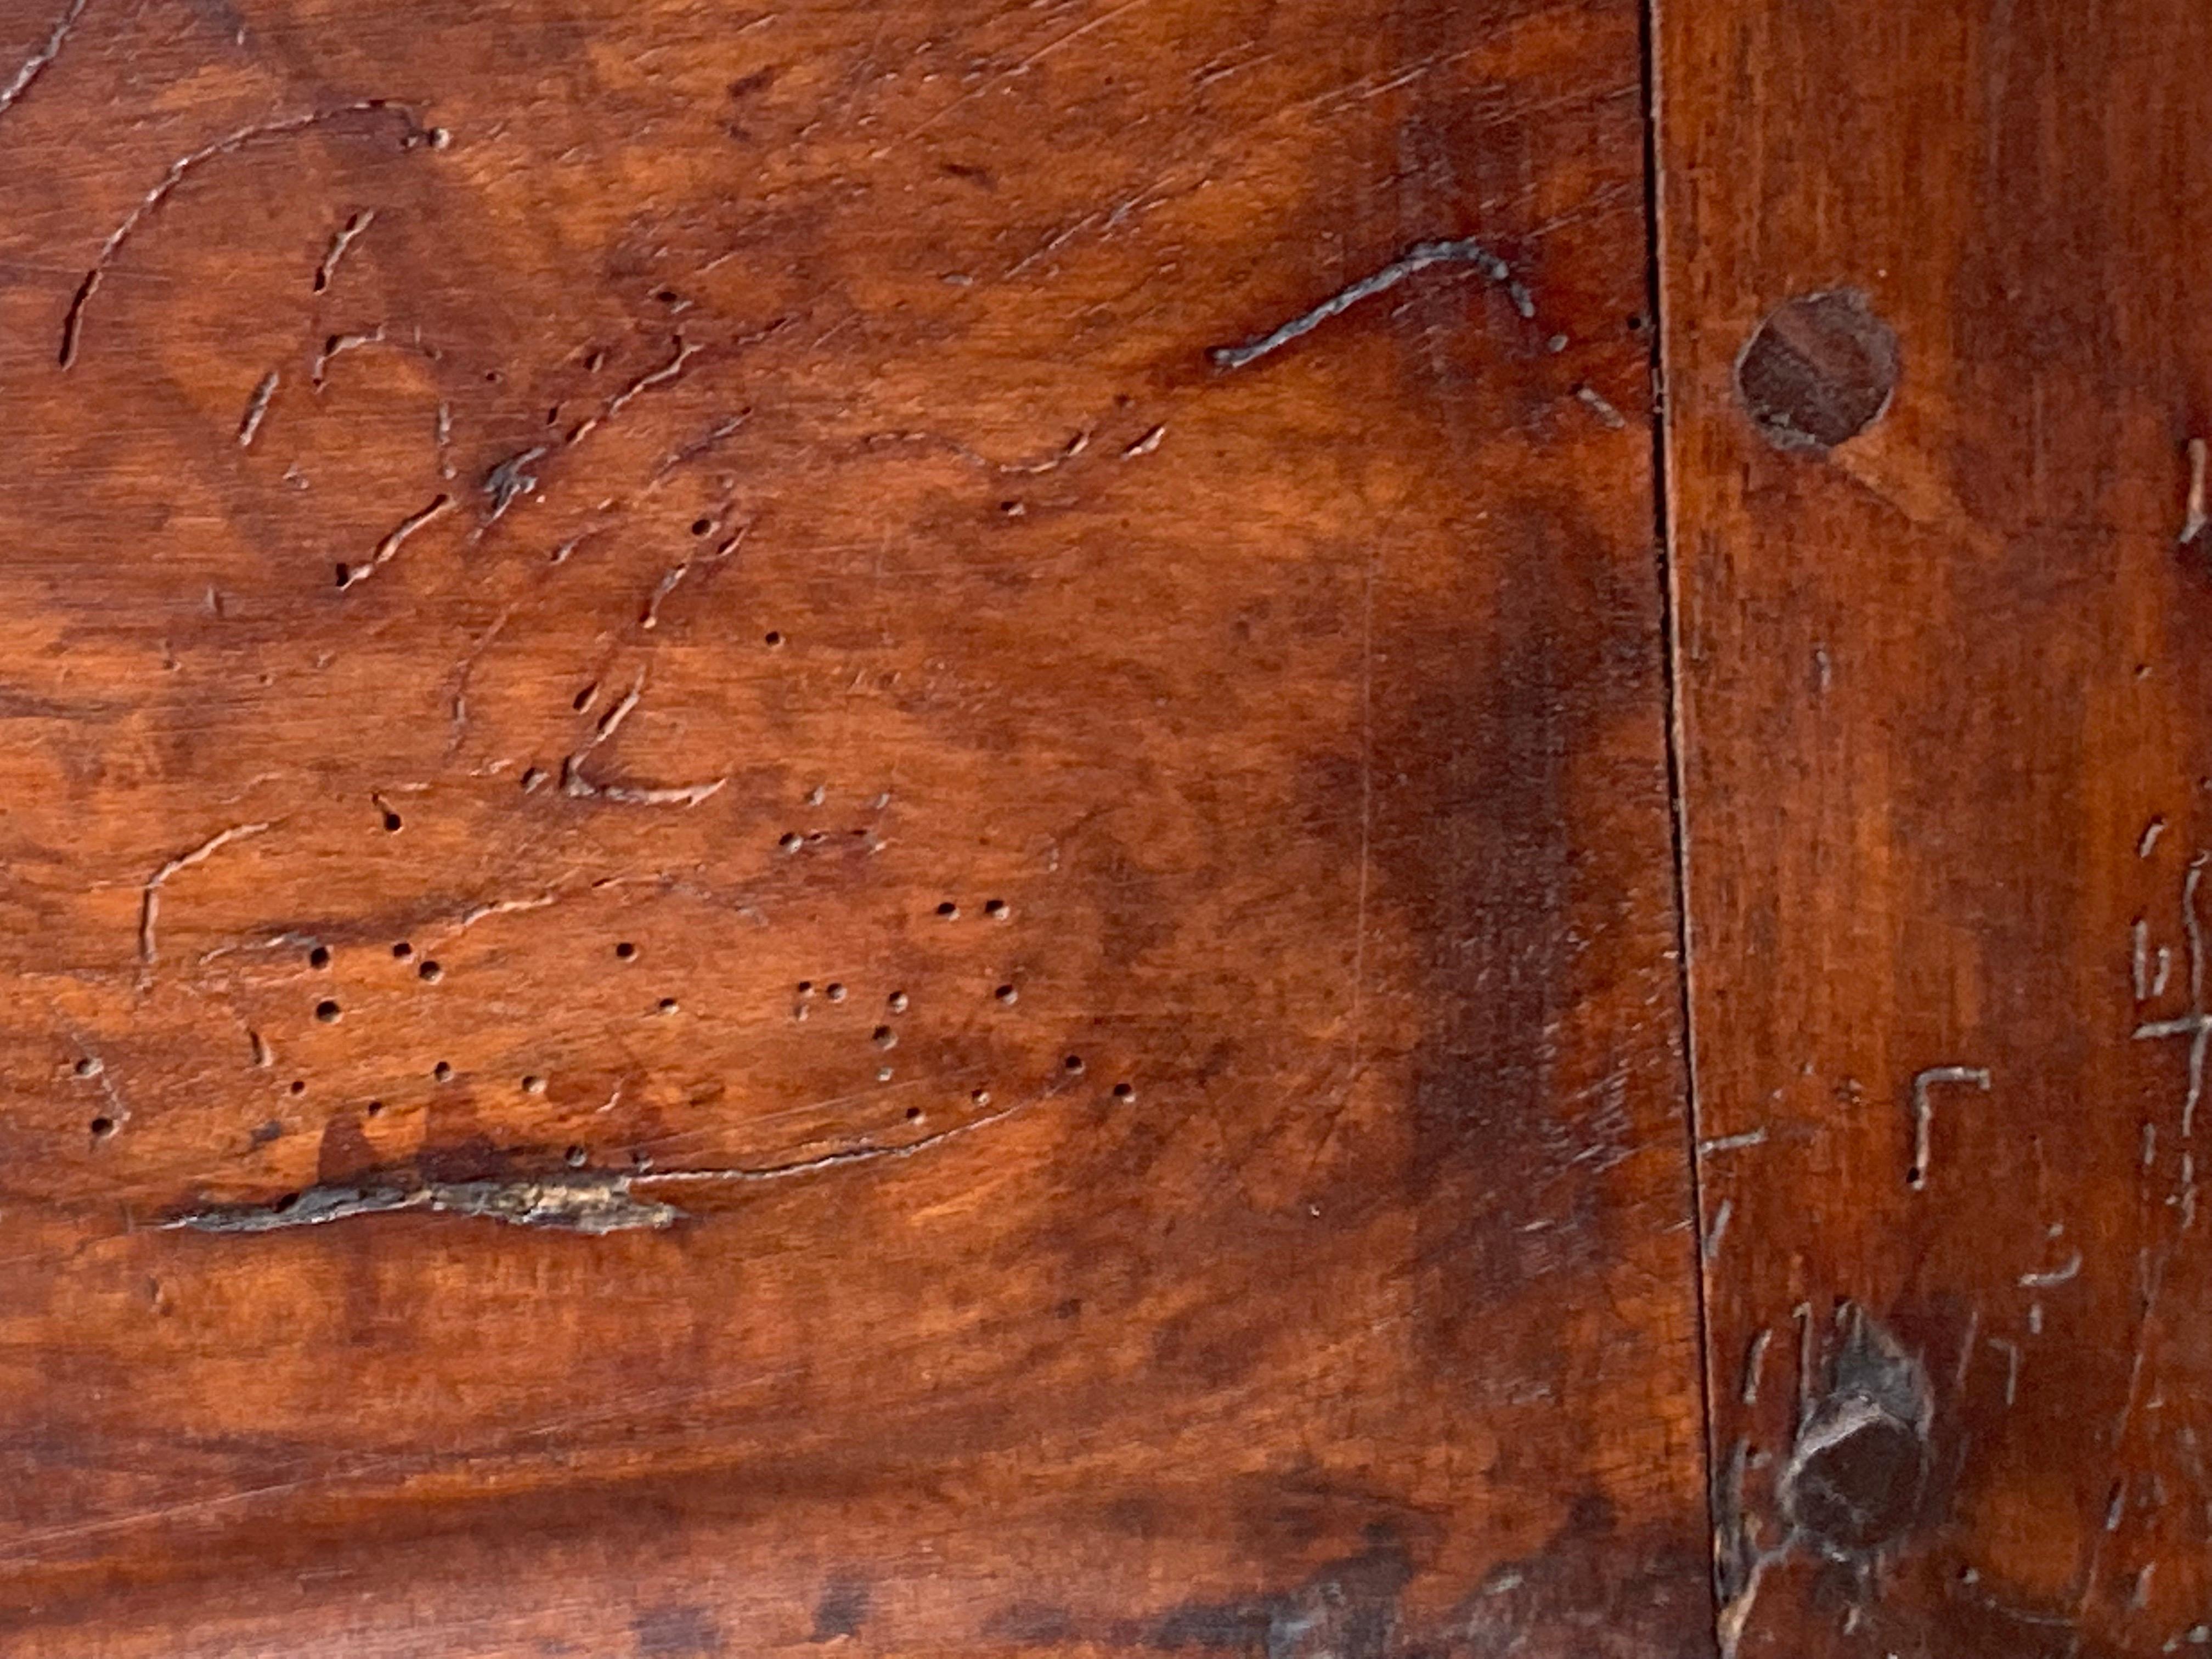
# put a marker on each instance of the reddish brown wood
(1150, 879)
(1947, 754)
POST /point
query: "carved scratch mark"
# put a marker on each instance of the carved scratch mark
(394, 539)
(256, 407)
(872, 1152)
(182, 168)
(1754, 1362)
(339, 243)
(1732, 1143)
(2010, 1350)
(686, 351)
(35, 65)
(1019, 68)
(149, 903)
(458, 714)
(701, 444)
(592, 1204)
(1721, 1218)
(2055, 1276)
(574, 783)
(2193, 519)
(2195, 1024)
(596, 1204)
(650, 616)
(1924, 1114)
(1592, 400)
(1418, 258)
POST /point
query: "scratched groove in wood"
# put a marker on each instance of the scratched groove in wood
(650, 622)
(1946, 763)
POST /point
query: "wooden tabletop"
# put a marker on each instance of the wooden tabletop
(1100, 827)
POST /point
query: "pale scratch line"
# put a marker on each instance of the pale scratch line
(256, 407)
(339, 243)
(73, 320)
(575, 784)
(2193, 519)
(1721, 1218)
(2011, 1351)
(1597, 403)
(390, 546)
(865, 1154)
(2195, 1025)
(686, 351)
(1021, 68)
(458, 714)
(1754, 1362)
(2055, 1276)
(1966, 1350)
(149, 904)
(1417, 258)
(1732, 1143)
(35, 65)
(1924, 1114)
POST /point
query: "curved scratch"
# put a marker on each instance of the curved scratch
(35, 65)
(179, 169)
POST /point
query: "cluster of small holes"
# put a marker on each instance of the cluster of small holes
(884, 1037)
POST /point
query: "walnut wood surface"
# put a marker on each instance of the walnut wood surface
(737, 915)
(1947, 754)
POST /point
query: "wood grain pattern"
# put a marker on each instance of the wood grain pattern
(936, 974)
(1946, 762)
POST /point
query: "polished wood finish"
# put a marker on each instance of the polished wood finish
(770, 885)
(1946, 758)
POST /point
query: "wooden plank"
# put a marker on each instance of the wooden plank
(1944, 713)
(934, 971)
